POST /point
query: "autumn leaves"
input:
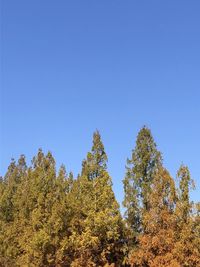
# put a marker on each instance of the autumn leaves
(50, 218)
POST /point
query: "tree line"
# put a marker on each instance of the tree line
(48, 217)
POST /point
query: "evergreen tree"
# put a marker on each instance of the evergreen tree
(187, 246)
(157, 242)
(96, 161)
(140, 169)
(102, 227)
(48, 218)
(42, 213)
(184, 205)
(9, 212)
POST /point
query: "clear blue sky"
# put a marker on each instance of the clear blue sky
(70, 67)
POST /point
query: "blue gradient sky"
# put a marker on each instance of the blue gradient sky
(70, 67)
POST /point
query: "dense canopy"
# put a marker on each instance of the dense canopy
(48, 217)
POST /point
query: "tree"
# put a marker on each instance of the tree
(9, 210)
(157, 242)
(184, 207)
(42, 213)
(186, 249)
(98, 242)
(48, 218)
(96, 161)
(140, 169)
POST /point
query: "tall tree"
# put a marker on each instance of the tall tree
(99, 241)
(9, 212)
(140, 169)
(184, 206)
(96, 160)
(187, 246)
(44, 214)
(48, 218)
(156, 243)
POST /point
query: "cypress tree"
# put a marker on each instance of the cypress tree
(102, 226)
(10, 210)
(157, 242)
(145, 161)
(96, 160)
(186, 250)
(51, 219)
(185, 182)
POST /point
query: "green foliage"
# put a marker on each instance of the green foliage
(96, 161)
(187, 248)
(185, 183)
(101, 222)
(140, 169)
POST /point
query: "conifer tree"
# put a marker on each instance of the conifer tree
(48, 218)
(157, 242)
(9, 212)
(184, 205)
(45, 214)
(102, 226)
(96, 161)
(140, 169)
(187, 248)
